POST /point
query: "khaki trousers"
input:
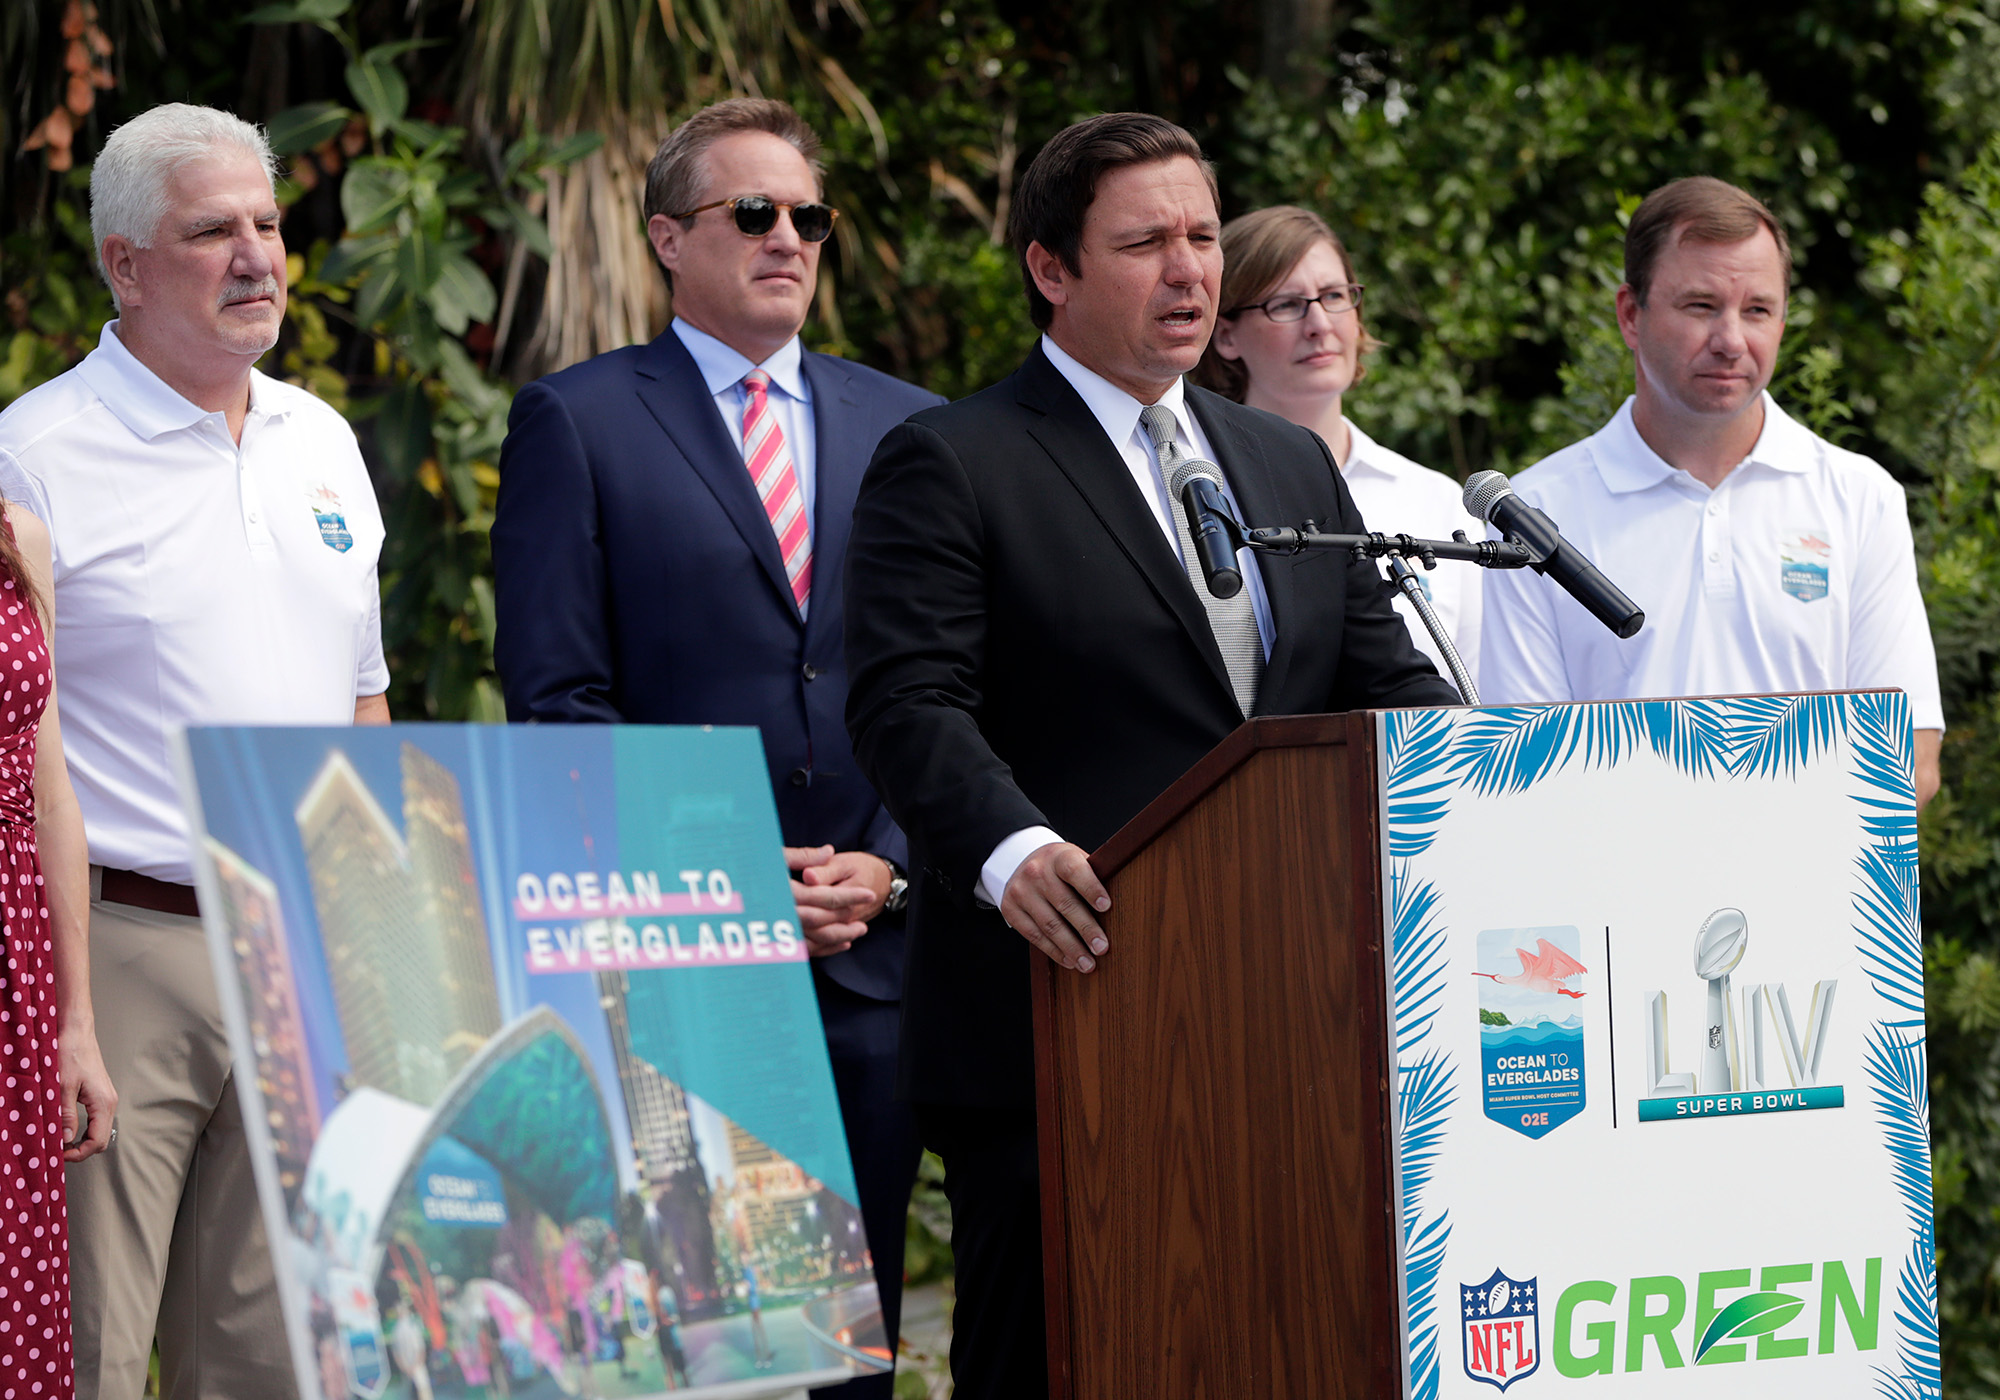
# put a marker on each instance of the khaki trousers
(166, 1238)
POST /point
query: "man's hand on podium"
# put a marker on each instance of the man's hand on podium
(1049, 902)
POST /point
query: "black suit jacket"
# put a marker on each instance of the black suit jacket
(637, 580)
(1025, 649)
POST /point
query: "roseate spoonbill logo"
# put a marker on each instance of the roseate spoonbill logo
(1544, 970)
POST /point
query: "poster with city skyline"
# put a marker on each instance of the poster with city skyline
(531, 1062)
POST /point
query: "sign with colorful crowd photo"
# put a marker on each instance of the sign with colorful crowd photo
(1657, 989)
(531, 1062)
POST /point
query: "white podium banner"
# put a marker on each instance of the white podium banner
(1657, 991)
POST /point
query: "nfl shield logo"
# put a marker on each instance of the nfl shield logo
(1502, 1329)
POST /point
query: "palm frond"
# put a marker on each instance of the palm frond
(1417, 961)
(1418, 746)
(1423, 1261)
(1509, 749)
(1770, 735)
(1690, 734)
(1423, 1100)
(1885, 762)
(1891, 930)
(1896, 1067)
(1424, 1097)
(1918, 1341)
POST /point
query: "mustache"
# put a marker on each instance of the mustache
(247, 289)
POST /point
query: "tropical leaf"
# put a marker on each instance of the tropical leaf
(1769, 735)
(1690, 734)
(1507, 749)
(373, 193)
(460, 294)
(1417, 960)
(1885, 762)
(1418, 744)
(299, 12)
(1891, 930)
(380, 90)
(301, 128)
(1423, 1099)
(1423, 1259)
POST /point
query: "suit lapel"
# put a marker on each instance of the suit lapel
(1075, 441)
(671, 387)
(837, 470)
(1255, 487)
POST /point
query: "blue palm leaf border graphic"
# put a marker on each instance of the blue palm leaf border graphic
(1508, 749)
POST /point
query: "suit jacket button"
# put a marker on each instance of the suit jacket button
(800, 777)
(809, 671)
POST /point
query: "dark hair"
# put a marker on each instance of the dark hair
(1699, 209)
(1061, 182)
(1258, 250)
(676, 173)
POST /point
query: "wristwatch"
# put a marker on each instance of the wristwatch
(899, 888)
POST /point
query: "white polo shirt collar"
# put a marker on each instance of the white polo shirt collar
(1365, 455)
(146, 403)
(1626, 462)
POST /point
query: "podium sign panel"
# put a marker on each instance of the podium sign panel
(530, 1062)
(1656, 989)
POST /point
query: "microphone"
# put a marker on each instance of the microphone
(1198, 485)
(1489, 497)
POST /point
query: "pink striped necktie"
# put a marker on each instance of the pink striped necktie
(769, 458)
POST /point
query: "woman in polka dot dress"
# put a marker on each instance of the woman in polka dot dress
(44, 987)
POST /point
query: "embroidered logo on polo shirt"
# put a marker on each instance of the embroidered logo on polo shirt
(333, 531)
(1803, 556)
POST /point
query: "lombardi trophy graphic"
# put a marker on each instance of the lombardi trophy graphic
(1717, 949)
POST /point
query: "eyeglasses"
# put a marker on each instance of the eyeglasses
(1333, 301)
(756, 215)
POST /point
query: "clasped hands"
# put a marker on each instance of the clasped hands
(837, 893)
(1052, 900)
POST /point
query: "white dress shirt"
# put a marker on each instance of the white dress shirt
(1796, 573)
(1117, 412)
(1400, 497)
(790, 397)
(197, 581)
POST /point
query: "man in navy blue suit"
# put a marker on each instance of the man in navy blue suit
(669, 546)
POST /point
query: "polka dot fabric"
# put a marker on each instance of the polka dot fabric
(34, 1240)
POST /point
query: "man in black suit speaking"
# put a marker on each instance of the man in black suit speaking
(1032, 659)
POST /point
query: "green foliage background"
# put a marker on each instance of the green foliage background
(1478, 159)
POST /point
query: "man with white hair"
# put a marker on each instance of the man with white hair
(215, 541)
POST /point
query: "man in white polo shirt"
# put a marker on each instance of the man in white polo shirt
(1766, 558)
(215, 540)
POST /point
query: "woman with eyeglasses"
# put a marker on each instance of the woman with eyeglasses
(1290, 341)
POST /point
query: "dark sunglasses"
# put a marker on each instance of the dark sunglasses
(756, 215)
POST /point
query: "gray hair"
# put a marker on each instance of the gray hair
(678, 171)
(128, 184)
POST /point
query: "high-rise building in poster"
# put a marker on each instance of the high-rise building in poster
(663, 1145)
(400, 928)
(662, 1136)
(271, 1007)
(447, 891)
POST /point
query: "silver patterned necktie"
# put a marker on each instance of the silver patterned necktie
(1233, 620)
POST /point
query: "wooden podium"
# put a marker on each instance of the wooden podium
(1215, 1100)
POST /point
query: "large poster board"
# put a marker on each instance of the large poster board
(1657, 989)
(531, 1062)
